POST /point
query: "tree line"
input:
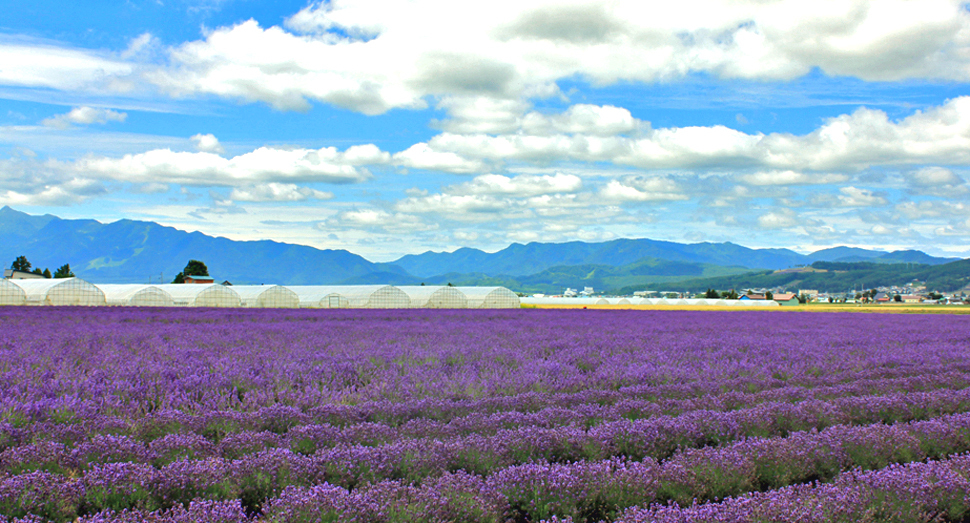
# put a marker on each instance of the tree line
(21, 264)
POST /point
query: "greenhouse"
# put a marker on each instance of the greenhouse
(201, 295)
(435, 297)
(60, 291)
(618, 301)
(11, 294)
(490, 298)
(267, 296)
(351, 296)
(135, 295)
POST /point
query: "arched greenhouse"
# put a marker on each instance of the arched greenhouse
(11, 294)
(490, 298)
(351, 296)
(435, 297)
(135, 295)
(201, 295)
(267, 296)
(60, 291)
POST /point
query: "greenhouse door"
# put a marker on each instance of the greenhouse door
(334, 302)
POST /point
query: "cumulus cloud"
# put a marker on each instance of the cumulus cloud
(379, 220)
(936, 181)
(793, 178)
(263, 165)
(851, 142)
(277, 192)
(522, 185)
(84, 116)
(778, 219)
(38, 64)
(422, 156)
(207, 143)
(374, 55)
(642, 189)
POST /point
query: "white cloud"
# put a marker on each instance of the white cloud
(936, 181)
(84, 116)
(371, 219)
(778, 219)
(522, 185)
(263, 165)
(36, 64)
(460, 207)
(277, 192)
(207, 143)
(641, 189)
(856, 197)
(793, 178)
(851, 142)
(374, 55)
(422, 156)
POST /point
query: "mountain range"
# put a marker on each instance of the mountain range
(129, 251)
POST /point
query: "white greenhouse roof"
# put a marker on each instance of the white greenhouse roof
(202, 295)
(135, 295)
(435, 297)
(490, 297)
(351, 296)
(11, 294)
(60, 291)
(267, 296)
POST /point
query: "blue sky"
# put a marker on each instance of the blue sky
(388, 127)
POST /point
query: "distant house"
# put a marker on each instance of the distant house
(911, 298)
(198, 279)
(10, 274)
(882, 297)
(752, 297)
(786, 298)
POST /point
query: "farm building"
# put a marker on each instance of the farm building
(435, 297)
(490, 298)
(11, 294)
(136, 295)
(61, 291)
(787, 299)
(351, 296)
(267, 296)
(200, 295)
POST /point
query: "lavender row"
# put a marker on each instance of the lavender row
(585, 491)
(135, 362)
(656, 437)
(449, 419)
(933, 491)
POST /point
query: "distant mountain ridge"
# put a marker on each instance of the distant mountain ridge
(523, 260)
(129, 251)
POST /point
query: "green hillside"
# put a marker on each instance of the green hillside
(833, 277)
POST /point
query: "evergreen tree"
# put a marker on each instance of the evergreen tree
(64, 271)
(193, 268)
(47, 273)
(21, 264)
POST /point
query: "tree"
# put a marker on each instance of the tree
(729, 295)
(47, 273)
(21, 264)
(38, 272)
(711, 294)
(769, 295)
(64, 271)
(193, 268)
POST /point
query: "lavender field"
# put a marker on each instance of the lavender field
(482, 416)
